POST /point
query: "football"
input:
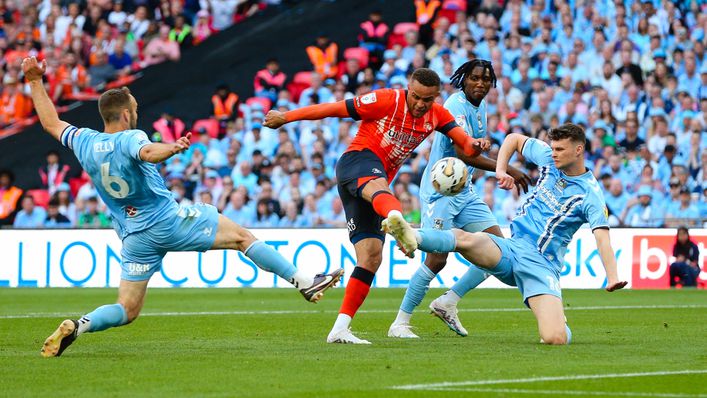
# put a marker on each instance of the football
(449, 176)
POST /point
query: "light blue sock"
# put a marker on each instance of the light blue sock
(419, 284)
(270, 260)
(104, 317)
(435, 241)
(569, 333)
(471, 279)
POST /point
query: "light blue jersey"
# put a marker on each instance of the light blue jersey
(132, 189)
(557, 207)
(473, 121)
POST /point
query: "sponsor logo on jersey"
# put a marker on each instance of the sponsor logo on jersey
(561, 184)
(368, 99)
(461, 120)
(428, 127)
(130, 211)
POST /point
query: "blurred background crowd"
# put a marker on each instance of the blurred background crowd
(633, 73)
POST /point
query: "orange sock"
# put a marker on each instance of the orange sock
(356, 291)
(383, 203)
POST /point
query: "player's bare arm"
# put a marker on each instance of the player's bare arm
(33, 71)
(275, 119)
(159, 152)
(513, 143)
(606, 252)
(522, 180)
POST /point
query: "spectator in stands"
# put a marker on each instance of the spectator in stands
(161, 48)
(168, 128)
(686, 213)
(265, 217)
(202, 28)
(117, 15)
(632, 140)
(223, 103)
(642, 213)
(269, 81)
(92, 217)
(65, 205)
(373, 36)
(292, 218)
(54, 173)
(686, 269)
(411, 212)
(14, 104)
(222, 11)
(181, 33)
(315, 93)
(139, 22)
(102, 71)
(54, 218)
(324, 56)
(119, 58)
(616, 199)
(9, 197)
(238, 209)
(71, 78)
(30, 216)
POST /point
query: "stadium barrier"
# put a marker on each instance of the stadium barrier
(91, 258)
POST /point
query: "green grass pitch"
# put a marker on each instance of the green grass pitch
(271, 343)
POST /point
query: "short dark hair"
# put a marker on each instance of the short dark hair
(568, 130)
(112, 103)
(426, 77)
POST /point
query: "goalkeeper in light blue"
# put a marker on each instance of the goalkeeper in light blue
(566, 196)
(465, 210)
(121, 162)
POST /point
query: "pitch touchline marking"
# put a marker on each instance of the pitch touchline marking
(295, 312)
(570, 392)
(447, 384)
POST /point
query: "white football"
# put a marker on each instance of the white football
(449, 176)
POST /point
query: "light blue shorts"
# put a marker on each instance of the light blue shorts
(192, 229)
(524, 266)
(464, 211)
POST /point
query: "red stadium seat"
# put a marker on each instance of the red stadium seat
(456, 5)
(402, 27)
(209, 125)
(359, 53)
(264, 102)
(40, 196)
(303, 77)
(75, 184)
(450, 14)
(295, 90)
(394, 39)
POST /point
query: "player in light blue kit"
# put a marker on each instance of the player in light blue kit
(121, 163)
(465, 210)
(566, 196)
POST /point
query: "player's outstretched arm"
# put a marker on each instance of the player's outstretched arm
(606, 252)
(275, 119)
(34, 71)
(513, 143)
(158, 152)
(522, 180)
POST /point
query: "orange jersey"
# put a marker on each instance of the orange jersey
(389, 129)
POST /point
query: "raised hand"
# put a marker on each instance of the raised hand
(505, 181)
(182, 144)
(32, 69)
(522, 180)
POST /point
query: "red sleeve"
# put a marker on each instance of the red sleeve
(373, 105)
(318, 111)
(445, 119)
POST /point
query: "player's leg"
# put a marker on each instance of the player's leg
(230, 235)
(386, 205)
(477, 248)
(474, 216)
(369, 254)
(139, 260)
(549, 312)
(365, 233)
(437, 214)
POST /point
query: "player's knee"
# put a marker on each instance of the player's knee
(371, 261)
(132, 309)
(435, 264)
(556, 337)
(242, 239)
(465, 240)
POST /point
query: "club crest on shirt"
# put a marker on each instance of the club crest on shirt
(368, 99)
(461, 120)
(478, 119)
(428, 127)
(438, 223)
(561, 184)
(130, 211)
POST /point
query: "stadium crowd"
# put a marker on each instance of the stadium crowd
(633, 73)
